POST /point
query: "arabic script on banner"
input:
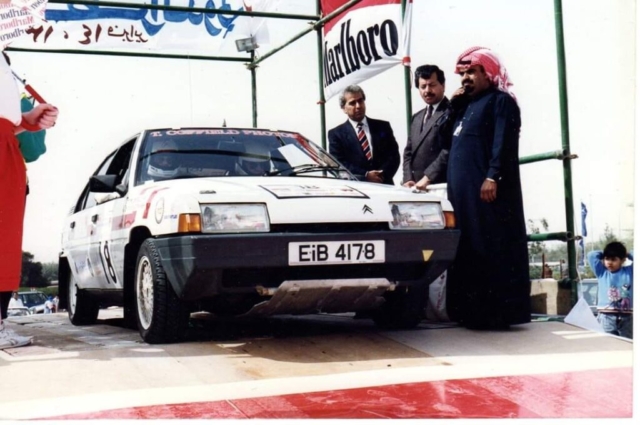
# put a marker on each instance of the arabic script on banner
(98, 27)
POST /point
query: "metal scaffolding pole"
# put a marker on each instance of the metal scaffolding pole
(301, 34)
(254, 94)
(212, 11)
(546, 155)
(407, 84)
(322, 101)
(130, 54)
(566, 162)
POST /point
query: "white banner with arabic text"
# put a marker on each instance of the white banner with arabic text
(107, 28)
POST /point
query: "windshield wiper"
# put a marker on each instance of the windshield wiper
(192, 151)
(182, 176)
(305, 168)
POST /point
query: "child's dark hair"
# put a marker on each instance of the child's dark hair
(615, 250)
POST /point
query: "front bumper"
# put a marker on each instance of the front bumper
(201, 266)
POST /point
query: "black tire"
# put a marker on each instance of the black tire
(403, 309)
(82, 309)
(63, 276)
(129, 310)
(161, 316)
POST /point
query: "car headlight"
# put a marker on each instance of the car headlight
(225, 218)
(416, 215)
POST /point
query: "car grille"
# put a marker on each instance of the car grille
(329, 227)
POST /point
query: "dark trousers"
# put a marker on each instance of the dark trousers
(5, 297)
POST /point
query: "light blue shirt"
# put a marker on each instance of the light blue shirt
(615, 290)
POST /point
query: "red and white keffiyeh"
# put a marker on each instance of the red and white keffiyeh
(483, 56)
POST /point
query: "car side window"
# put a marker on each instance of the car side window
(117, 163)
(122, 162)
(87, 199)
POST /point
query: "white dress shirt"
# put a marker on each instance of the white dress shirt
(435, 108)
(15, 303)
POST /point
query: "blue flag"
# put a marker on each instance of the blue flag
(583, 210)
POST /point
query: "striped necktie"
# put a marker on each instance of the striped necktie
(362, 138)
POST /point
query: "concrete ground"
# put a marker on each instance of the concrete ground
(316, 366)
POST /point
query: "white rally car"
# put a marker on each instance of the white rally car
(246, 222)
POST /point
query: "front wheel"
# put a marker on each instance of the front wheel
(83, 310)
(161, 316)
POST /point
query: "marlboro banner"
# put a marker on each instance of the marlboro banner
(16, 16)
(367, 39)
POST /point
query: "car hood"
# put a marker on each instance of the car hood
(300, 199)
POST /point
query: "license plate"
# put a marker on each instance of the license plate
(347, 252)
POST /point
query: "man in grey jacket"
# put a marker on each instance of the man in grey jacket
(424, 158)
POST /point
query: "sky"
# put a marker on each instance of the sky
(104, 100)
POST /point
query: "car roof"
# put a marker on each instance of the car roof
(203, 127)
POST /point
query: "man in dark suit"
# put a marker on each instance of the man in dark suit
(424, 158)
(364, 145)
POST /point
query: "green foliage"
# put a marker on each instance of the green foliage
(50, 290)
(536, 248)
(535, 272)
(545, 224)
(608, 236)
(50, 271)
(32, 276)
(557, 251)
(587, 273)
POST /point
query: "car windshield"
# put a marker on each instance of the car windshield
(191, 153)
(32, 299)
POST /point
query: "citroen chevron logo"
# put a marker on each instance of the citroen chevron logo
(367, 209)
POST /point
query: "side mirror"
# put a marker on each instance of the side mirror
(103, 184)
(121, 189)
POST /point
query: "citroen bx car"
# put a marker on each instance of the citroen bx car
(246, 222)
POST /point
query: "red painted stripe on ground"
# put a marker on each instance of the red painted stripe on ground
(584, 394)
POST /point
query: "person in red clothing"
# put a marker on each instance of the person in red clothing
(13, 178)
